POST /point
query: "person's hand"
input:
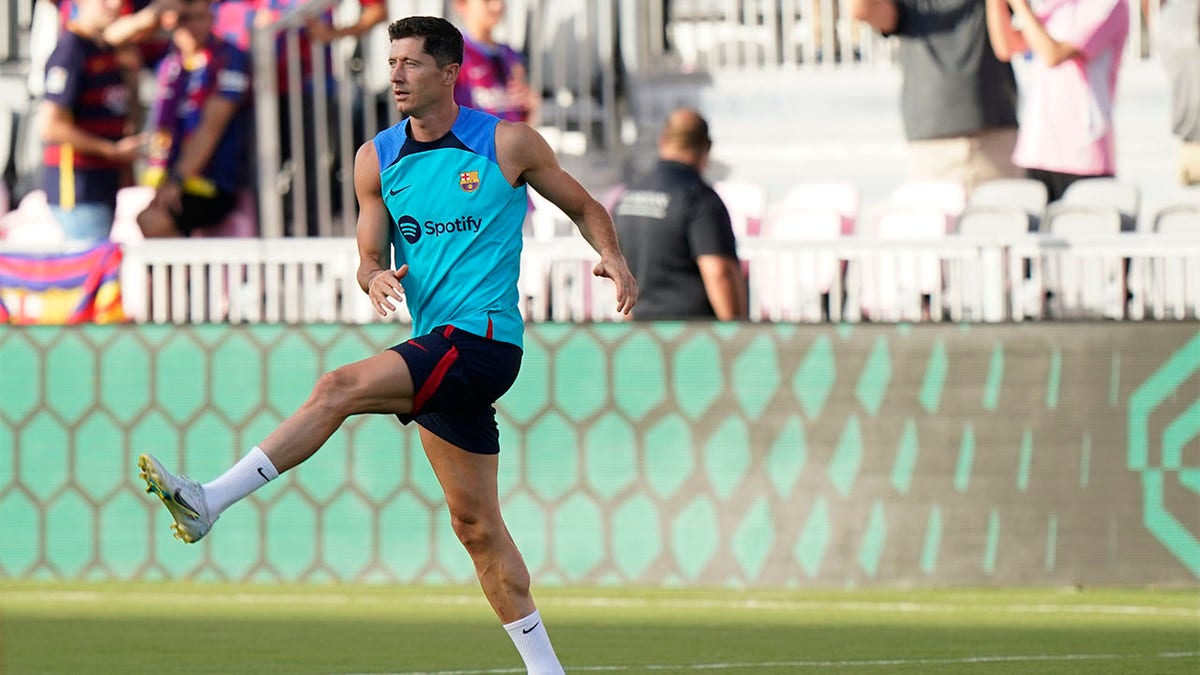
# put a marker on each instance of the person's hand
(384, 287)
(321, 31)
(1019, 6)
(167, 13)
(617, 270)
(169, 196)
(520, 94)
(127, 149)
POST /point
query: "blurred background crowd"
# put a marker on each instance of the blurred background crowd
(132, 119)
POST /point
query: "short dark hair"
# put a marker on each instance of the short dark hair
(442, 40)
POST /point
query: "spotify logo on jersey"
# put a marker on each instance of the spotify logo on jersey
(410, 229)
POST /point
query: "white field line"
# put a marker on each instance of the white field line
(872, 663)
(336, 599)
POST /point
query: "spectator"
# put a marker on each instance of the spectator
(676, 232)
(87, 125)
(1179, 44)
(1067, 131)
(493, 76)
(958, 102)
(199, 128)
(319, 29)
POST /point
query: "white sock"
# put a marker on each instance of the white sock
(533, 643)
(250, 473)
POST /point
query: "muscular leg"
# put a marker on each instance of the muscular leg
(469, 482)
(378, 384)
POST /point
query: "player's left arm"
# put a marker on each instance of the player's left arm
(525, 156)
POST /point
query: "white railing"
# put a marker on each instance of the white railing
(957, 278)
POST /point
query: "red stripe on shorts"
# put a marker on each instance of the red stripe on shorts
(435, 379)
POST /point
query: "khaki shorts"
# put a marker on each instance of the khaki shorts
(1189, 163)
(970, 160)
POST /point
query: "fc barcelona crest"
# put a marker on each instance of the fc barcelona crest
(468, 181)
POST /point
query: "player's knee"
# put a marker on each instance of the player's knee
(333, 391)
(474, 534)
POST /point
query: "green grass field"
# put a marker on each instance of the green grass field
(210, 628)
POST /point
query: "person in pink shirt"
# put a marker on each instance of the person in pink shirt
(1066, 126)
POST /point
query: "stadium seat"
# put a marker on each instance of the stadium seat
(1177, 291)
(821, 199)
(1080, 286)
(747, 205)
(907, 285)
(797, 285)
(31, 224)
(1069, 219)
(1178, 219)
(947, 197)
(1123, 197)
(978, 282)
(130, 202)
(1006, 195)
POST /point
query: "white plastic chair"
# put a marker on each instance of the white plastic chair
(793, 286)
(747, 205)
(1007, 195)
(31, 223)
(1123, 197)
(1177, 281)
(1084, 286)
(894, 285)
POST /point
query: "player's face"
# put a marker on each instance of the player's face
(417, 82)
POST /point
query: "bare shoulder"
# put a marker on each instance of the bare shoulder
(366, 170)
(520, 147)
(366, 154)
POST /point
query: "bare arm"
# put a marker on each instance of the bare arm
(724, 285)
(1006, 40)
(142, 24)
(525, 155)
(375, 274)
(198, 147)
(1049, 50)
(882, 15)
(58, 127)
(367, 19)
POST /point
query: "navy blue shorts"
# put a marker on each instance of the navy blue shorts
(457, 376)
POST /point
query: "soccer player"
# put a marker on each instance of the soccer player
(446, 189)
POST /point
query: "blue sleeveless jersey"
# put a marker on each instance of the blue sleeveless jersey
(456, 223)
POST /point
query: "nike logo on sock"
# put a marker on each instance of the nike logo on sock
(527, 631)
(264, 476)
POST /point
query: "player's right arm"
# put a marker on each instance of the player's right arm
(375, 276)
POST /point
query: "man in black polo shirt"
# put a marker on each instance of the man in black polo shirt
(676, 234)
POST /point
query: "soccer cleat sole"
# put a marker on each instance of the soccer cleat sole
(153, 486)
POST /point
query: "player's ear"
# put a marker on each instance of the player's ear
(450, 74)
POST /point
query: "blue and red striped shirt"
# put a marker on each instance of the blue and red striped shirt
(87, 80)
